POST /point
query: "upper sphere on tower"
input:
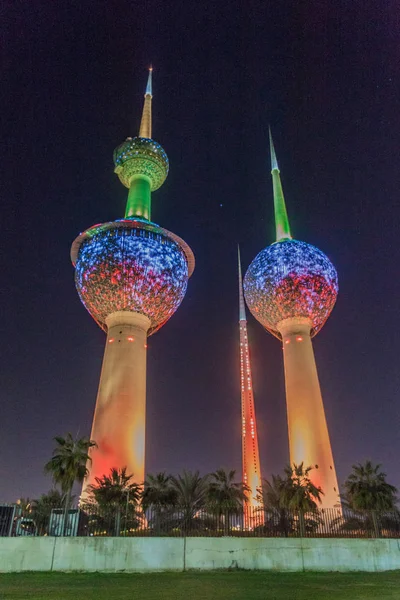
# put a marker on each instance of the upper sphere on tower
(291, 279)
(141, 157)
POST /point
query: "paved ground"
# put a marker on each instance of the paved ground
(236, 585)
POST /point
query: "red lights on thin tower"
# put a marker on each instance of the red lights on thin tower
(250, 455)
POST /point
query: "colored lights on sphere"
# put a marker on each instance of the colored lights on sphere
(131, 266)
(141, 157)
(291, 279)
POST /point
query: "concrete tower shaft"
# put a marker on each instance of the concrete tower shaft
(119, 421)
(309, 441)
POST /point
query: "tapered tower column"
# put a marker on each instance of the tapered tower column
(120, 416)
(308, 431)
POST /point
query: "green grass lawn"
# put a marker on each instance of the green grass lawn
(235, 585)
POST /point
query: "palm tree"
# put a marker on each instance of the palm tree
(158, 491)
(191, 497)
(225, 495)
(272, 496)
(271, 492)
(42, 507)
(299, 493)
(366, 489)
(115, 492)
(159, 496)
(68, 465)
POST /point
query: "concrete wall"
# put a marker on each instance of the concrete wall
(177, 554)
(288, 554)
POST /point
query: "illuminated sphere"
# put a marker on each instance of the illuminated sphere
(291, 279)
(131, 265)
(141, 156)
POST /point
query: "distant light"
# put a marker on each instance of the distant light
(299, 338)
(287, 341)
(110, 341)
(131, 339)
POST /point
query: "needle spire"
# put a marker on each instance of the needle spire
(281, 217)
(145, 124)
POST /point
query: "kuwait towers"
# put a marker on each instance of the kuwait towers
(131, 275)
(291, 289)
(251, 471)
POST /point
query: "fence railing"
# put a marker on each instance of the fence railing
(210, 522)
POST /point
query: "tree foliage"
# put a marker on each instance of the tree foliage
(366, 488)
(226, 494)
(112, 502)
(115, 490)
(158, 492)
(191, 492)
(42, 507)
(69, 461)
(287, 495)
(69, 465)
(299, 492)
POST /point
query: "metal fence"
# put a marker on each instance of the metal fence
(210, 522)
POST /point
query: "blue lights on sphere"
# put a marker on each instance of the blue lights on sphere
(132, 269)
(291, 279)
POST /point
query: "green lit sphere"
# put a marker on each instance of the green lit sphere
(141, 156)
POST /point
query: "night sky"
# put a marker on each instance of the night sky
(326, 76)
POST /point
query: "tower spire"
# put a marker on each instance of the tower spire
(141, 163)
(242, 310)
(145, 124)
(281, 217)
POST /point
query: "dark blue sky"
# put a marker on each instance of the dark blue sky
(326, 76)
